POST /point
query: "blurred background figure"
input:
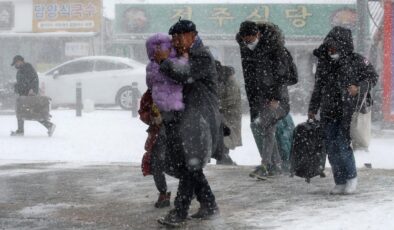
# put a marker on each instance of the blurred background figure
(230, 109)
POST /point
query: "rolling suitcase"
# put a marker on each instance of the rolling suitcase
(307, 154)
(34, 108)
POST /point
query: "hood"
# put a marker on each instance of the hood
(271, 35)
(158, 40)
(340, 38)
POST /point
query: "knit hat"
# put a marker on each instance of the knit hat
(182, 26)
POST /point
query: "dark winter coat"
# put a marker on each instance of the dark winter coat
(333, 77)
(266, 69)
(200, 121)
(26, 80)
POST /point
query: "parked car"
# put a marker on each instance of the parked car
(105, 80)
(7, 95)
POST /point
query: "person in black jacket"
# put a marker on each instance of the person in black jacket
(341, 76)
(27, 85)
(268, 69)
(194, 134)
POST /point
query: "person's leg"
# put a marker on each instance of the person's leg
(226, 159)
(269, 142)
(46, 124)
(347, 156)
(331, 143)
(49, 125)
(257, 132)
(21, 125)
(260, 172)
(186, 189)
(208, 206)
(157, 164)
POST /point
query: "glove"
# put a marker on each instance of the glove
(226, 131)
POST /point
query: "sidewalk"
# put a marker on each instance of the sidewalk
(117, 196)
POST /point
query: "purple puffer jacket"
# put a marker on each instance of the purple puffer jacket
(166, 93)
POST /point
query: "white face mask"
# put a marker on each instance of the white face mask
(334, 56)
(253, 45)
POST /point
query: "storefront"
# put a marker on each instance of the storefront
(48, 32)
(304, 26)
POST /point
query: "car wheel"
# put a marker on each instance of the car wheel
(124, 98)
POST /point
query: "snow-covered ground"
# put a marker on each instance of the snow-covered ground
(114, 136)
(108, 136)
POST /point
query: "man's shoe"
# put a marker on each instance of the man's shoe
(163, 200)
(17, 133)
(51, 130)
(338, 189)
(351, 186)
(260, 173)
(274, 170)
(172, 219)
(206, 213)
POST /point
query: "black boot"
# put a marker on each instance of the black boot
(163, 200)
(172, 219)
(206, 212)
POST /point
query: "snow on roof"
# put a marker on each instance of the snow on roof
(237, 1)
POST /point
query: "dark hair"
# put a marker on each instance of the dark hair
(248, 28)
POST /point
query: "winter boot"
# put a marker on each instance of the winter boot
(338, 189)
(351, 186)
(163, 200)
(172, 219)
(274, 170)
(206, 212)
(260, 173)
(17, 133)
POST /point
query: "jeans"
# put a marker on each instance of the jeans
(266, 143)
(340, 154)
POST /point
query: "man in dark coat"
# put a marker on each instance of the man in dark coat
(27, 85)
(268, 69)
(341, 76)
(194, 134)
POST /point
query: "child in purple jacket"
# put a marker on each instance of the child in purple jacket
(166, 93)
(168, 97)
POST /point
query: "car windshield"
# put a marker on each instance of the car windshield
(103, 65)
(74, 68)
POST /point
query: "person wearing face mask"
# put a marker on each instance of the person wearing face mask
(341, 76)
(268, 69)
(27, 85)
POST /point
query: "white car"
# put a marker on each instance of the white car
(105, 80)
